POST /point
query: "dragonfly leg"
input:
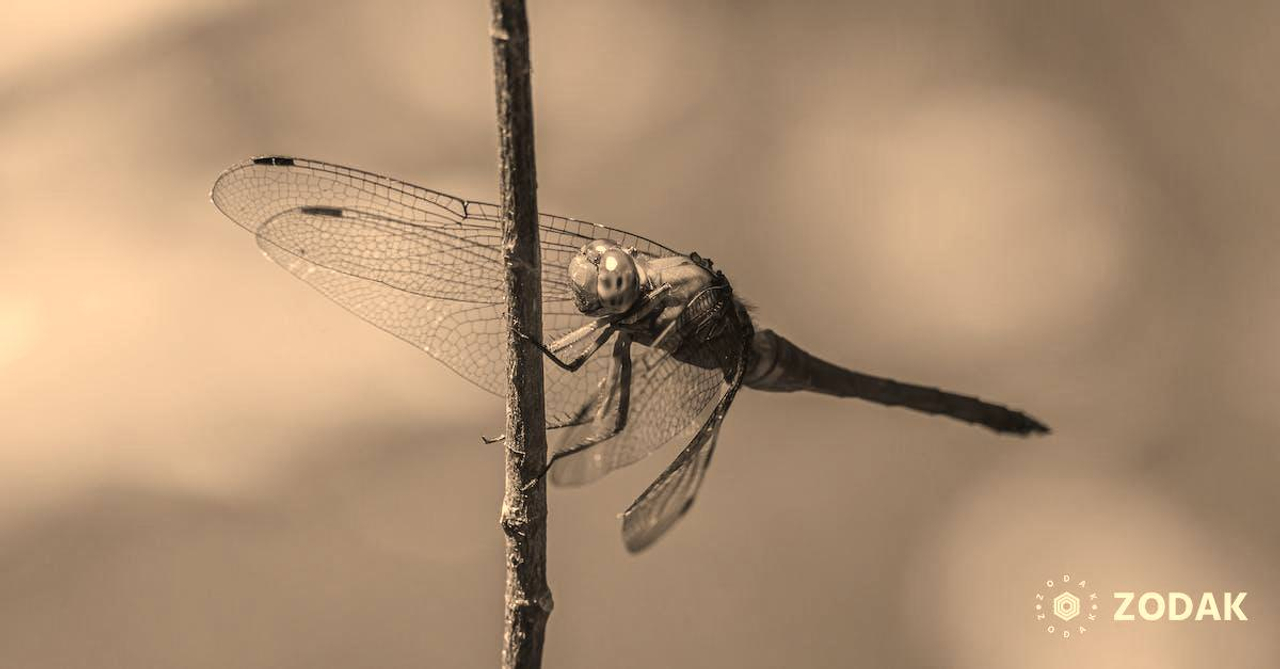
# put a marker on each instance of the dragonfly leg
(666, 332)
(582, 417)
(601, 330)
(614, 404)
(662, 338)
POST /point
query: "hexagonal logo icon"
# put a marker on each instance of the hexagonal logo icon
(1066, 606)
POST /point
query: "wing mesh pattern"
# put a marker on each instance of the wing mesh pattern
(426, 267)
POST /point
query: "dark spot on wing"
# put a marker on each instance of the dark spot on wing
(273, 160)
(323, 211)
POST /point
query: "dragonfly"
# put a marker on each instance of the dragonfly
(649, 345)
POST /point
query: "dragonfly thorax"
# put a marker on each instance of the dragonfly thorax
(606, 278)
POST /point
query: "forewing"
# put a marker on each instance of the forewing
(420, 264)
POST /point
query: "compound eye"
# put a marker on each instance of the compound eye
(617, 284)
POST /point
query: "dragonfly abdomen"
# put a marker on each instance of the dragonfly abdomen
(780, 366)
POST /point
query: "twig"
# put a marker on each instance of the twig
(524, 503)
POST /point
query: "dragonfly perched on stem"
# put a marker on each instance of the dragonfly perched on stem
(426, 267)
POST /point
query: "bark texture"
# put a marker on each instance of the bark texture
(524, 503)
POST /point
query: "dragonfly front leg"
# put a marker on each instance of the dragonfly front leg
(613, 405)
(601, 328)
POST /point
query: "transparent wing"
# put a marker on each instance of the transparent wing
(671, 495)
(422, 265)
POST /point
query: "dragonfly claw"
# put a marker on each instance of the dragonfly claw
(493, 440)
(537, 479)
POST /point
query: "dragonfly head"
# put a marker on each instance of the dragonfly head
(605, 278)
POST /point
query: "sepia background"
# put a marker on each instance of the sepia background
(1069, 207)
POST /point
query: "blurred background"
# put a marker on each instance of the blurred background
(1066, 207)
